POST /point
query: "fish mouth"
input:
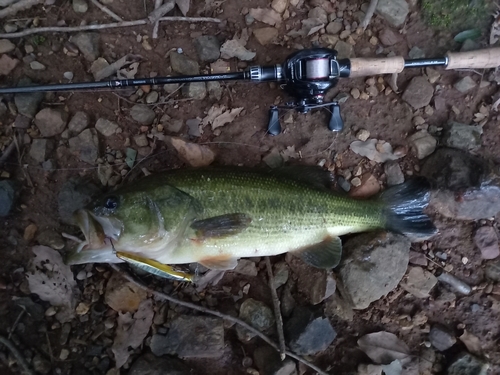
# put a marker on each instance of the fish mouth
(95, 238)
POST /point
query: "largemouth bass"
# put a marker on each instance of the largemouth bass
(215, 216)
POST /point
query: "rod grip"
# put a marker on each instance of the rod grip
(362, 67)
(479, 59)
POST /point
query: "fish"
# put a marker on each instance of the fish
(216, 215)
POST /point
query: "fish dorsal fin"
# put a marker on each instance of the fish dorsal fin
(221, 226)
(314, 176)
(325, 254)
(219, 262)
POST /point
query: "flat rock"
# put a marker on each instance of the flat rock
(393, 11)
(268, 362)
(422, 143)
(183, 64)
(148, 364)
(207, 48)
(214, 89)
(334, 27)
(393, 173)
(142, 114)
(7, 64)
(80, 6)
(344, 50)
(257, 314)
(308, 333)
(106, 127)
(418, 93)
(75, 194)
(462, 136)
(486, 240)
(27, 104)
(85, 146)
(8, 196)
(419, 282)
(389, 37)
(441, 338)
(78, 123)
(192, 337)
(51, 122)
(465, 85)
(88, 44)
(467, 364)
(374, 264)
(6, 46)
(40, 149)
(265, 35)
(195, 90)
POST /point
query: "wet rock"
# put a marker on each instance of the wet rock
(6, 46)
(85, 146)
(148, 364)
(41, 149)
(195, 90)
(50, 238)
(41, 365)
(7, 64)
(27, 104)
(265, 35)
(441, 338)
(467, 364)
(78, 123)
(393, 173)
(374, 264)
(418, 93)
(453, 169)
(80, 6)
(214, 90)
(106, 128)
(344, 50)
(318, 13)
(35, 65)
(51, 122)
(88, 44)
(334, 27)
(465, 85)
(419, 282)
(207, 47)
(75, 194)
(142, 114)
(246, 267)
(257, 314)
(183, 64)
(462, 136)
(268, 361)
(388, 37)
(393, 11)
(192, 337)
(308, 333)
(486, 240)
(7, 196)
(422, 143)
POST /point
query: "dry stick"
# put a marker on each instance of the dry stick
(277, 311)
(106, 10)
(16, 322)
(369, 14)
(205, 310)
(156, 14)
(157, 23)
(16, 7)
(20, 359)
(72, 29)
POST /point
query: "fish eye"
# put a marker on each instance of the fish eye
(111, 202)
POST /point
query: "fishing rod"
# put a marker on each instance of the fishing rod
(307, 75)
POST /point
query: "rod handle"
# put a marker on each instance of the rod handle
(479, 59)
(362, 67)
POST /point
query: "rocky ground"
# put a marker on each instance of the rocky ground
(392, 306)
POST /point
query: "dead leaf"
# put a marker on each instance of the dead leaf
(472, 343)
(233, 48)
(183, 6)
(495, 29)
(213, 113)
(193, 154)
(243, 38)
(289, 153)
(219, 116)
(369, 370)
(378, 151)
(53, 281)
(128, 73)
(123, 296)
(131, 331)
(383, 347)
(269, 16)
(394, 368)
(111, 69)
(309, 27)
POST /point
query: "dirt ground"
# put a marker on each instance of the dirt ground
(242, 142)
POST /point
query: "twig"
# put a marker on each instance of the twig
(10, 148)
(50, 347)
(156, 14)
(16, 322)
(277, 311)
(157, 23)
(20, 359)
(205, 310)
(73, 29)
(369, 14)
(16, 7)
(106, 10)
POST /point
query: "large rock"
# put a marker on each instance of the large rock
(148, 364)
(268, 361)
(78, 123)
(374, 265)
(393, 11)
(40, 149)
(88, 44)
(8, 196)
(207, 47)
(142, 114)
(86, 146)
(462, 136)
(51, 122)
(183, 64)
(75, 194)
(257, 314)
(418, 93)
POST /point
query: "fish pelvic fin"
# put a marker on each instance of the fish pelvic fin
(325, 254)
(404, 209)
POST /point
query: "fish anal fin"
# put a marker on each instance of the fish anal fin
(325, 254)
(219, 262)
(221, 226)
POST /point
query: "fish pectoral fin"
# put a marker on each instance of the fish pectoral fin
(221, 226)
(325, 254)
(219, 262)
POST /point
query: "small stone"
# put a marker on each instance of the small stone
(68, 75)
(152, 97)
(246, 267)
(106, 128)
(388, 37)
(22, 122)
(35, 65)
(486, 240)
(355, 94)
(373, 41)
(207, 47)
(88, 44)
(85, 146)
(279, 5)
(265, 35)
(356, 181)
(418, 120)
(462, 136)
(183, 64)
(64, 354)
(465, 85)
(41, 149)
(41, 365)
(80, 6)
(142, 114)
(432, 74)
(78, 123)
(7, 64)
(51, 311)
(82, 308)
(257, 314)
(419, 92)
(419, 282)
(393, 11)
(27, 104)
(345, 34)
(416, 53)
(104, 172)
(467, 364)
(441, 339)
(368, 186)
(6, 46)
(334, 27)
(372, 91)
(422, 143)
(195, 90)
(268, 361)
(170, 88)
(344, 50)
(141, 140)
(492, 270)
(29, 232)
(393, 173)
(149, 364)
(214, 89)
(10, 27)
(318, 13)
(51, 122)
(174, 126)
(281, 274)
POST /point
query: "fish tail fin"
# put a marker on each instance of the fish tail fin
(404, 209)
